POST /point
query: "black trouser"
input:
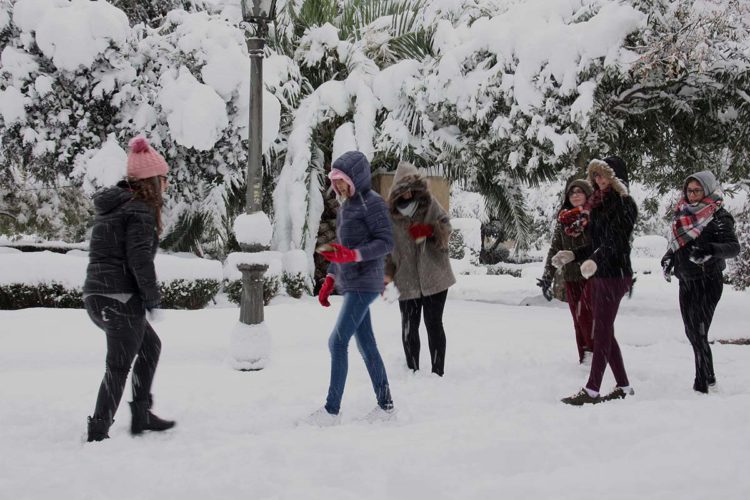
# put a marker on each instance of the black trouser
(698, 299)
(128, 335)
(411, 312)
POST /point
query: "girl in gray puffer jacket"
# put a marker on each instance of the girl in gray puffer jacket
(419, 264)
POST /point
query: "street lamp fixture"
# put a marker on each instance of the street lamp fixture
(260, 12)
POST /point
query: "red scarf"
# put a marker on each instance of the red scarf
(574, 221)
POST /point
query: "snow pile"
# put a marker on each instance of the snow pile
(69, 270)
(253, 229)
(249, 346)
(199, 125)
(106, 167)
(72, 34)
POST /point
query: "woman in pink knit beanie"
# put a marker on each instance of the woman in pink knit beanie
(121, 292)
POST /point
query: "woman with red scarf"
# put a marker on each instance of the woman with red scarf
(570, 234)
(702, 238)
(611, 215)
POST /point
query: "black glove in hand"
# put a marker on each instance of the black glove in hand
(667, 263)
(546, 285)
(700, 254)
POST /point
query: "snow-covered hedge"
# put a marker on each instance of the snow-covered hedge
(47, 279)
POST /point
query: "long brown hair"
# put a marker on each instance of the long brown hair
(149, 190)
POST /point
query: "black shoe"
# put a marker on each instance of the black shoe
(98, 429)
(699, 386)
(711, 381)
(144, 420)
(619, 393)
(581, 398)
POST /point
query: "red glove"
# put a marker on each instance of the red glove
(340, 254)
(325, 291)
(417, 231)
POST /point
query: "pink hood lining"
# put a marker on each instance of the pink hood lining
(338, 174)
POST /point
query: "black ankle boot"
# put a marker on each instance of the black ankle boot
(98, 429)
(144, 420)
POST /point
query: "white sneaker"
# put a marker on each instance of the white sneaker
(321, 418)
(380, 415)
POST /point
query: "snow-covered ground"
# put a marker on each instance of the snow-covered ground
(493, 427)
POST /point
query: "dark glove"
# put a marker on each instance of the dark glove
(700, 253)
(546, 285)
(326, 290)
(632, 285)
(667, 264)
(417, 231)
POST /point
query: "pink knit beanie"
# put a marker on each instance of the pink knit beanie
(144, 161)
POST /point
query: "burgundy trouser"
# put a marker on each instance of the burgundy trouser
(606, 294)
(579, 301)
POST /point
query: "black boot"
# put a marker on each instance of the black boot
(144, 420)
(98, 429)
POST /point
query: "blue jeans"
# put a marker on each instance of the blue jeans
(354, 320)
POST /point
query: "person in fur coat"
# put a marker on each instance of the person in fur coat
(419, 265)
(702, 238)
(611, 214)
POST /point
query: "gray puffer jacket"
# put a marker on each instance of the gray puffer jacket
(418, 269)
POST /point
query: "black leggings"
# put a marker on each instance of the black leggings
(698, 300)
(411, 312)
(128, 335)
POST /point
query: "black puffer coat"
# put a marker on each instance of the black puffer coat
(123, 245)
(719, 237)
(611, 227)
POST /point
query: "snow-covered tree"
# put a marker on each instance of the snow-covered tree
(340, 49)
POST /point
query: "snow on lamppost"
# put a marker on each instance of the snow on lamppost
(250, 342)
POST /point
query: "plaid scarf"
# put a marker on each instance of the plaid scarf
(574, 221)
(690, 220)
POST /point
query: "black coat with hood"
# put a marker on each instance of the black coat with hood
(611, 223)
(718, 237)
(124, 241)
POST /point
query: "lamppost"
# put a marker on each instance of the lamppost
(250, 342)
(259, 12)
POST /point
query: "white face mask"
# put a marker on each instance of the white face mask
(408, 209)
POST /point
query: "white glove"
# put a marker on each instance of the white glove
(154, 315)
(391, 293)
(588, 268)
(563, 257)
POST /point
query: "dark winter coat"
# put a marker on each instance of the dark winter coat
(418, 269)
(611, 227)
(123, 245)
(718, 236)
(362, 224)
(562, 241)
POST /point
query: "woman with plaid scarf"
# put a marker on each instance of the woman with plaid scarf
(702, 238)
